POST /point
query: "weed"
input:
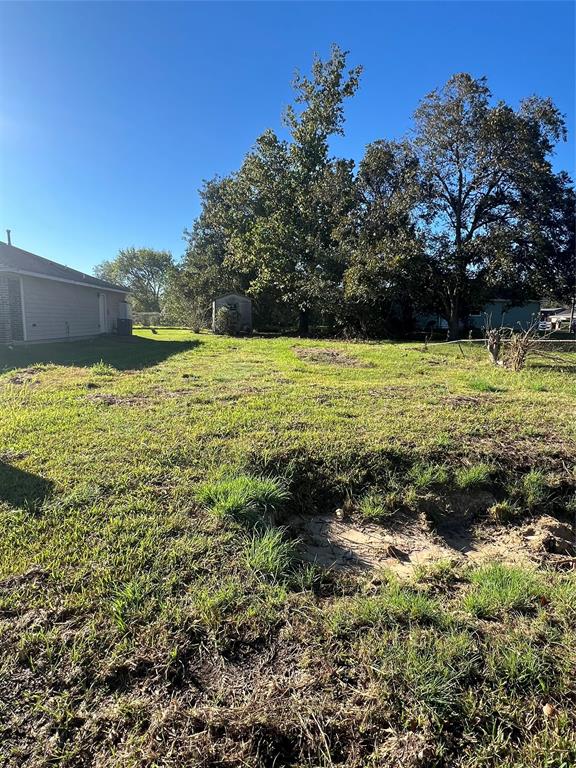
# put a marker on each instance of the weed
(426, 476)
(503, 511)
(533, 489)
(102, 369)
(376, 507)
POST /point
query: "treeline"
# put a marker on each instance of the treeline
(466, 208)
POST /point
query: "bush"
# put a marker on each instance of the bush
(225, 321)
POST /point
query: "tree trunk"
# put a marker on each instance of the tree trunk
(304, 322)
(454, 319)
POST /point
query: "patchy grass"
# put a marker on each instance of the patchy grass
(152, 614)
(269, 554)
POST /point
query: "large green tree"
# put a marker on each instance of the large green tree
(144, 271)
(274, 226)
(386, 272)
(487, 183)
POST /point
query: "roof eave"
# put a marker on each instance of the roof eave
(27, 273)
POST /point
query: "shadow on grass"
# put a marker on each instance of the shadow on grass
(19, 488)
(123, 353)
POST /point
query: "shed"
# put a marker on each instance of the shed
(41, 300)
(239, 312)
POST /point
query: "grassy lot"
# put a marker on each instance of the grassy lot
(154, 612)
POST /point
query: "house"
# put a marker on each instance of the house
(561, 318)
(238, 311)
(41, 300)
(499, 313)
(496, 313)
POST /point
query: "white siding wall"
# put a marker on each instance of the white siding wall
(56, 310)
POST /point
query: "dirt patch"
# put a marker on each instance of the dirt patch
(11, 456)
(405, 545)
(327, 356)
(464, 401)
(117, 399)
(26, 376)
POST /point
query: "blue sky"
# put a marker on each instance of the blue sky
(112, 114)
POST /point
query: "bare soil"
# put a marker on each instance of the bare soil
(405, 545)
(328, 356)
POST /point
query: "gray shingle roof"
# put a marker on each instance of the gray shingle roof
(12, 258)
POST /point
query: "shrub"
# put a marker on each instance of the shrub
(225, 321)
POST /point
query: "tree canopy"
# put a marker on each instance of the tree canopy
(144, 271)
(465, 207)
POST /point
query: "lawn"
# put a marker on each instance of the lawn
(155, 610)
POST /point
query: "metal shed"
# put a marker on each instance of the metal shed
(239, 313)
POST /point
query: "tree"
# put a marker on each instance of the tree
(386, 272)
(486, 183)
(294, 196)
(144, 271)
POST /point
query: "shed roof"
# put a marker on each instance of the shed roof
(14, 259)
(233, 296)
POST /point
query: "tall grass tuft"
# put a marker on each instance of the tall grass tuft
(269, 554)
(244, 497)
(102, 369)
(475, 476)
(499, 588)
(426, 476)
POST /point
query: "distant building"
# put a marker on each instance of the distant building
(41, 300)
(498, 313)
(232, 314)
(495, 313)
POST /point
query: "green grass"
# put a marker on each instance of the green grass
(153, 606)
(499, 588)
(476, 476)
(243, 497)
(378, 507)
(268, 554)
